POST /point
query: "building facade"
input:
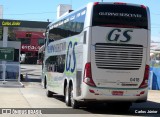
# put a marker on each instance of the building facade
(29, 33)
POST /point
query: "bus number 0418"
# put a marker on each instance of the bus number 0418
(134, 79)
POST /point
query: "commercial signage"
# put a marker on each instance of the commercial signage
(27, 48)
(21, 23)
(11, 23)
(6, 54)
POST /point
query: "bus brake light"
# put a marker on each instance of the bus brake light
(145, 79)
(88, 75)
(120, 3)
(143, 6)
(95, 3)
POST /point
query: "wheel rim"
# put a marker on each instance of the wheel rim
(72, 100)
(66, 95)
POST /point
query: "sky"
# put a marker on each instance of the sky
(41, 10)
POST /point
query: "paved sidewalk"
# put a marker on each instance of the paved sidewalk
(11, 84)
(154, 95)
(31, 96)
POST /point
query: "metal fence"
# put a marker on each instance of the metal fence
(10, 72)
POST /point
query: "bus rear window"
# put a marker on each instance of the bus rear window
(119, 15)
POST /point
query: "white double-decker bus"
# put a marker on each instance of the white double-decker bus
(99, 53)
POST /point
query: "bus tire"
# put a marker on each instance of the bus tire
(74, 103)
(67, 96)
(45, 83)
(49, 93)
(21, 77)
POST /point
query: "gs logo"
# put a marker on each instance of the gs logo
(116, 35)
(71, 57)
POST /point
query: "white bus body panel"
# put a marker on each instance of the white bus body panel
(116, 80)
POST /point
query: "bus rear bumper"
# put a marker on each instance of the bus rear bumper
(104, 94)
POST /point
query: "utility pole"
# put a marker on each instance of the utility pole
(1, 12)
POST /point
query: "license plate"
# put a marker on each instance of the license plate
(118, 93)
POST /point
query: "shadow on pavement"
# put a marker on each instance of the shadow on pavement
(148, 104)
(59, 97)
(137, 109)
(26, 78)
(31, 80)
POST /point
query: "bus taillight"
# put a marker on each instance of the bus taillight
(88, 75)
(145, 79)
(143, 6)
(95, 3)
(120, 3)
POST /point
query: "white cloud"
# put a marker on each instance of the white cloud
(155, 38)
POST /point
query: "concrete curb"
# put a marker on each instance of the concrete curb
(10, 84)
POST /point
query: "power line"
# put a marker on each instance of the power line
(155, 13)
(30, 13)
(155, 27)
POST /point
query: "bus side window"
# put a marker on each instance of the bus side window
(60, 63)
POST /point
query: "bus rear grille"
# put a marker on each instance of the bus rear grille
(118, 56)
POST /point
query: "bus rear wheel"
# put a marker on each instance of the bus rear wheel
(67, 96)
(74, 103)
(45, 83)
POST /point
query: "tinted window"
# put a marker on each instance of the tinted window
(55, 63)
(24, 40)
(119, 15)
(16, 55)
(69, 26)
(40, 41)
